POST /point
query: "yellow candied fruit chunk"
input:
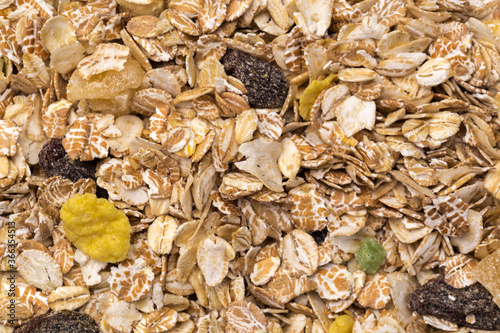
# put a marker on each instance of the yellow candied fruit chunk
(96, 227)
(493, 25)
(311, 93)
(343, 324)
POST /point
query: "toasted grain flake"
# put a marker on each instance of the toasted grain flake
(108, 56)
(135, 51)
(300, 252)
(458, 271)
(335, 282)
(246, 124)
(54, 119)
(211, 69)
(158, 321)
(161, 234)
(182, 22)
(39, 269)
(357, 75)
(9, 134)
(190, 95)
(236, 8)
(246, 317)
(434, 72)
(68, 297)
(56, 32)
(143, 26)
(242, 181)
(279, 13)
(308, 209)
(354, 114)
(262, 162)
(317, 15)
(289, 160)
(35, 70)
(131, 280)
(264, 270)
(213, 260)
(212, 15)
(376, 293)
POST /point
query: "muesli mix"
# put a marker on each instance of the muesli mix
(240, 166)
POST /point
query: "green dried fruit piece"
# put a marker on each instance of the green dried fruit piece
(370, 255)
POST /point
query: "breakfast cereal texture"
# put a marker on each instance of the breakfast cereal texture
(251, 166)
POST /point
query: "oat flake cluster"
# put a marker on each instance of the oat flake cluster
(253, 145)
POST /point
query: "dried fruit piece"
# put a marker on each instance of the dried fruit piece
(438, 299)
(370, 255)
(267, 86)
(107, 84)
(55, 162)
(60, 321)
(342, 324)
(311, 93)
(96, 227)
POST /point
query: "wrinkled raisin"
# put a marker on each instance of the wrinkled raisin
(267, 85)
(319, 236)
(55, 162)
(60, 322)
(439, 299)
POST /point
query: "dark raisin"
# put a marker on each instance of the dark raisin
(55, 162)
(439, 299)
(319, 236)
(267, 85)
(60, 322)
(101, 192)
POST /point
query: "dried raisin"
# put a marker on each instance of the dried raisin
(267, 85)
(439, 299)
(55, 162)
(319, 236)
(60, 322)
